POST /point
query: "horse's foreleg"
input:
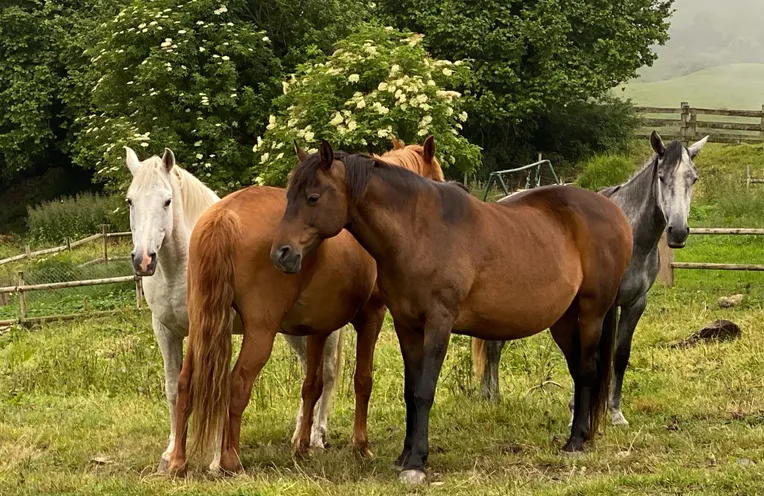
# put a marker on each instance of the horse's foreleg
(437, 332)
(298, 344)
(312, 387)
(626, 325)
(367, 325)
(255, 350)
(331, 367)
(411, 342)
(171, 347)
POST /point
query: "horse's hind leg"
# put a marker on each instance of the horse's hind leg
(490, 385)
(177, 463)
(331, 367)
(565, 334)
(255, 350)
(367, 324)
(171, 346)
(312, 387)
(299, 345)
(627, 323)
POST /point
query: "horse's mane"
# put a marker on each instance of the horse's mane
(411, 157)
(671, 158)
(196, 197)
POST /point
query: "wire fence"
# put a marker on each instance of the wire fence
(97, 260)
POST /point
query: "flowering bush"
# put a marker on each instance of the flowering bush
(190, 76)
(379, 83)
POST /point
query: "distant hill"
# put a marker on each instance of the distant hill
(737, 86)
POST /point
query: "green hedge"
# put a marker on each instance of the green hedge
(76, 217)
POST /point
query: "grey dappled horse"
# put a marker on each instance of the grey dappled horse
(655, 199)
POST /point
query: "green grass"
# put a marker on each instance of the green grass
(736, 86)
(72, 393)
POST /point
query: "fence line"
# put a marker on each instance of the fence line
(668, 265)
(68, 246)
(687, 125)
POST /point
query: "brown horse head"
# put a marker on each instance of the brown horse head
(316, 180)
(319, 180)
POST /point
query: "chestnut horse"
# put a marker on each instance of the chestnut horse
(550, 257)
(229, 268)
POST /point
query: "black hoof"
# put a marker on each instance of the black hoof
(573, 446)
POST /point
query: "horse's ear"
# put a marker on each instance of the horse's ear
(657, 144)
(397, 145)
(327, 154)
(429, 149)
(131, 159)
(168, 159)
(696, 147)
(301, 154)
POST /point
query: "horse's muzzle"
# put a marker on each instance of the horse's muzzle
(677, 237)
(286, 259)
(145, 265)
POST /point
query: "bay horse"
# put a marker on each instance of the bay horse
(551, 257)
(229, 269)
(165, 202)
(655, 200)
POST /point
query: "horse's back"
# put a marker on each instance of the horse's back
(336, 280)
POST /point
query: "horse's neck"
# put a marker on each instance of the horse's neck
(639, 200)
(380, 227)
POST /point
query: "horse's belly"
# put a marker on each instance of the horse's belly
(504, 310)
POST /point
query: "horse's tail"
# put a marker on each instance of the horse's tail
(210, 299)
(479, 357)
(599, 402)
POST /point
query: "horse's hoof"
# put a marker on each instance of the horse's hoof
(573, 448)
(412, 476)
(301, 451)
(164, 466)
(177, 469)
(617, 418)
(364, 452)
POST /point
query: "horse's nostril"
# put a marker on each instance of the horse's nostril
(283, 252)
(670, 229)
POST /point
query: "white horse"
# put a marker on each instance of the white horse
(165, 202)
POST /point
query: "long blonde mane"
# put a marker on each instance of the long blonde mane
(411, 157)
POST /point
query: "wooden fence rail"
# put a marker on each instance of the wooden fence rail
(668, 265)
(68, 246)
(687, 127)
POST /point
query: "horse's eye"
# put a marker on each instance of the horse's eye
(313, 199)
(694, 180)
(167, 203)
(130, 202)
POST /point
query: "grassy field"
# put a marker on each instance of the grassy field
(82, 409)
(735, 86)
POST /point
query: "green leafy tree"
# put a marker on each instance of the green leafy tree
(190, 76)
(532, 55)
(378, 83)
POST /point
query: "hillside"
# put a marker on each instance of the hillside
(737, 86)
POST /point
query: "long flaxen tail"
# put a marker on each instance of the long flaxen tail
(599, 401)
(210, 313)
(479, 357)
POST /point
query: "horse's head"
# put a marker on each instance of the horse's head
(149, 197)
(317, 207)
(677, 175)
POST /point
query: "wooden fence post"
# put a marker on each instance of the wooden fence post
(693, 127)
(104, 230)
(761, 133)
(27, 251)
(22, 297)
(666, 256)
(684, 130)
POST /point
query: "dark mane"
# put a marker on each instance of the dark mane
(358, 172)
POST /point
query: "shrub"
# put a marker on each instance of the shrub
(605, 170)
(193, 76)
(379, 83)
(75, 217)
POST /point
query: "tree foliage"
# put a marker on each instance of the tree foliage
(530, 56)
(378, 83)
